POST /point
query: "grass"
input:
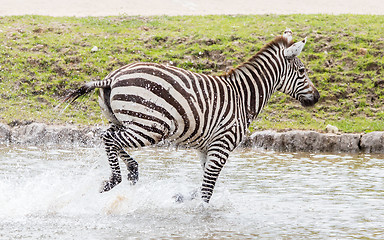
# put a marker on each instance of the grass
(44, 58)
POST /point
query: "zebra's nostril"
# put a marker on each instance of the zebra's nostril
(311, 99)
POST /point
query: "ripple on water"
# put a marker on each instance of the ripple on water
(53, 193)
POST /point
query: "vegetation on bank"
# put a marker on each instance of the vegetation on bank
(44, 58)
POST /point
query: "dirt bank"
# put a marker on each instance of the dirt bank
(39, 134)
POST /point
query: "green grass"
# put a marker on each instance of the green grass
(43, 58)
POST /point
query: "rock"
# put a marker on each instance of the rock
(362, 51)
(372, 142)
(39, 134)
(349, 143)
(304, 141)
(339, 143)
(293, 141)
(70, 136)
(5, 134)
(285, 141)
(30, 134)
(331, 129)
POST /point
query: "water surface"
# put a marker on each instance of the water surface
(53, 194)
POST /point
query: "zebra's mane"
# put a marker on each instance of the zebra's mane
(279, 40)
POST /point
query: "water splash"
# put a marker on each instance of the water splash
(50, 193)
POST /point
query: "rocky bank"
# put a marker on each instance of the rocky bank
(39, 134)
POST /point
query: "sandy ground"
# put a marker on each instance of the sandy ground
(186, 7)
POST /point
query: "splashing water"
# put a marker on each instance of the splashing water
(53, 194)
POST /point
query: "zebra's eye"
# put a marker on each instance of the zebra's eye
(301, 71)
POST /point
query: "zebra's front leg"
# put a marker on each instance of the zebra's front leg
(215, 160)
(132, 166)
(112, 147)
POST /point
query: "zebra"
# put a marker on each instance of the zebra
(148, 103)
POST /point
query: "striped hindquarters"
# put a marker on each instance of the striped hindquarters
(156, 102)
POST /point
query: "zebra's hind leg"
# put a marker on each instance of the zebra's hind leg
(112, 147)
(132, 166)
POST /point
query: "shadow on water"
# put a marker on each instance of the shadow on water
(53, 193)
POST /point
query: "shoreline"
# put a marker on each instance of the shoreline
(69, 136)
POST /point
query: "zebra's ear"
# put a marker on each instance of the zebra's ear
(288, 35)
(295, 49)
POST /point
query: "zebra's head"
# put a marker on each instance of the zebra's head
(296, 82)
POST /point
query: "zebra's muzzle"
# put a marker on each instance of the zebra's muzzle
(309, 99)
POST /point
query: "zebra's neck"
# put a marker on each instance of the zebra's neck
(257, 79)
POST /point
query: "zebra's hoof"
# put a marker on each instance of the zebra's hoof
(105, 186)
(179, 198)
(133, 177)
(109, 184)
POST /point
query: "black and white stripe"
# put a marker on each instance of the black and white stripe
(147, 103)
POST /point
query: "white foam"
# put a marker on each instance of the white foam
(54, 194)
(73, 189)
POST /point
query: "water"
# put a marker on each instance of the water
(53, 194)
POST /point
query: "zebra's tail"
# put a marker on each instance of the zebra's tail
(86, 88)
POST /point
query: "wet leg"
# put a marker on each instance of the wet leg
(216, 159)
(112, 148)
(132, 166)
